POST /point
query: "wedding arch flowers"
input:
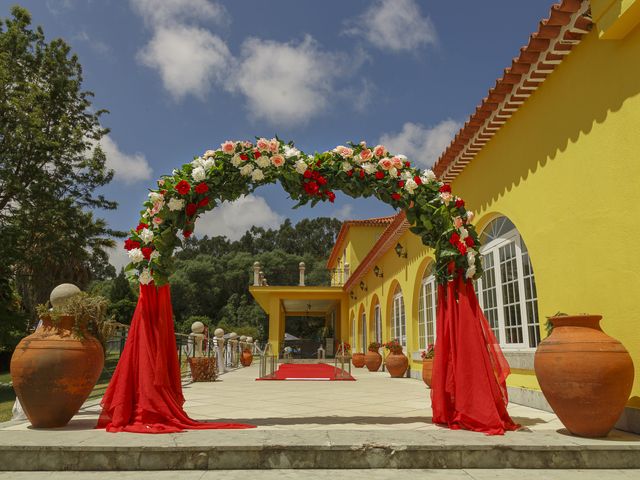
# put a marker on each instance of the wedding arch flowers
(238, 167)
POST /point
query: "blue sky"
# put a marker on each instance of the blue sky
(182, 76)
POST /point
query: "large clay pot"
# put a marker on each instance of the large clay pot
(397, 364)
(373, 360)
(246, 358)
(358, 360)
(427, 371)
(203, 369)
(585, 375)
(54, 371)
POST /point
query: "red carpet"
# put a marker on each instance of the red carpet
(308, 371)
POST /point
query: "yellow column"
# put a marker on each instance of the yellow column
(276, 324)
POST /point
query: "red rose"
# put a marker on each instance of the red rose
(396, 196)
(183, 187)
(141, 226)
(379, 175)
(322, 180)
(204, 202)
(131, 244)
(407, 164)
(191, 209)
(350, 173)
(361, 173)
(187, 233)
(462, 248)
(202, 188)
(311, 188)
(445, 189)
(455, 238)
(256, 154)
(331, 196)
(318, 163)
(459, 203)
(469, 241)
(163, 192)
(401, 184)
(147, 251)
(417, 179)
(307, 174)
(244, 156)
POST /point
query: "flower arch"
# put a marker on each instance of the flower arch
(239, 167)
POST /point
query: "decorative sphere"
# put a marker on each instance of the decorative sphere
(233, 335)
(218, 332)
(249, 339)
(243, 338)
(61, 295)
(197, 327)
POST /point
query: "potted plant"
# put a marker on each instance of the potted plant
(373, 359)
(357, 359)
(247, 357)
(396, 362)
(427, 363)
(55, 368)
(585, 375)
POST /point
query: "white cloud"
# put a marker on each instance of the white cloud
(189, 59)
(233, 219)
(286, 83)
(421, 144)
(395, 25)
(118, 256)
(171, 12)
(129, 168)
(345, 212)
(96, 45)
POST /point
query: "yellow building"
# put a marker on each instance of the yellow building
(550, 162)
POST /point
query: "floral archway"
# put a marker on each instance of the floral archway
(145, 393)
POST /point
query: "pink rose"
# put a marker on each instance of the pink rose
(397, 162)
(343, 151)
(228, 146)
(274, 145)
(209, 154)
(385, 163)
(380, 151)
(277, 160)
(158, 220)
(366, 154)
(262, 144)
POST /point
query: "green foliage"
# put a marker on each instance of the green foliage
(13, 322)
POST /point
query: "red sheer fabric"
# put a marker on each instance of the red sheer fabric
(469, 372)
(145, 392)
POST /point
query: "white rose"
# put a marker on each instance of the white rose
(463, 233)
(155, 254)
(471, 257)
(175, 204)
(257, 175)
(301, 166)
(198, 174)
(471, 271)
(406, 175)
(263, 161)
(470, 216)
(145, 277)
(428, 176)
(346, 166)
(146, 235)
(246, 169)
(410, 185)
(291, 151)
(197, 162)
(236, 161)
(393, 172)
(135, 255)
(208, 163)
(369, 167)
(445, 197)
(156, 198)
(209, 154)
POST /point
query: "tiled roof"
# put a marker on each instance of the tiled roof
(568, 22)
(367, 222)
(386, 241)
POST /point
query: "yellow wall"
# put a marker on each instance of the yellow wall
(566, 170)
(358, 242)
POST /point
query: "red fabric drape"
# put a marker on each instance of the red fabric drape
(469, 371)
(145, 392)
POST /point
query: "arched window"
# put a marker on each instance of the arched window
(427, 308)
(399, 327)
(364, 331)
(507, 289)
(377, 314)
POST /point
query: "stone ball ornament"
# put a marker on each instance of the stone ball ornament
(197, 327)
(61, 295)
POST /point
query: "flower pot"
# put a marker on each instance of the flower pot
(203, 369)
(358, 360)
(54, 371)
(397, 364)
(246, 358)
(585, 375)
(427, 371)
(373, 360)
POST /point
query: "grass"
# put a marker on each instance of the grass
(7, 397)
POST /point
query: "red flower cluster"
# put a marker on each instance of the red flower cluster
(445, 189)
(141, 226)
(147, 251)
(183, 187)
(202, 188)
(459, 203)
(461, 246)
(131, 244)
(312, 183)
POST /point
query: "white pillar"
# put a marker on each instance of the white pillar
(302, 267)
(219, 333)
(256, 274)
(196, 333)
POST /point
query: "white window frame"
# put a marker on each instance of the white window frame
(364, 331)
(398, 314)
(427, 302)
(493, 248)
(377, 314)
(354, 337)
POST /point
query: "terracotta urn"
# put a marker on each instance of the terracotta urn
(585, 375)
(427, 371)
(203, 369)
(397, 364)
(246, 358)
(54, 370)
(373, 360)
(358, 360)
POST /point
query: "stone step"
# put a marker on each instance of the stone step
(91, 450)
